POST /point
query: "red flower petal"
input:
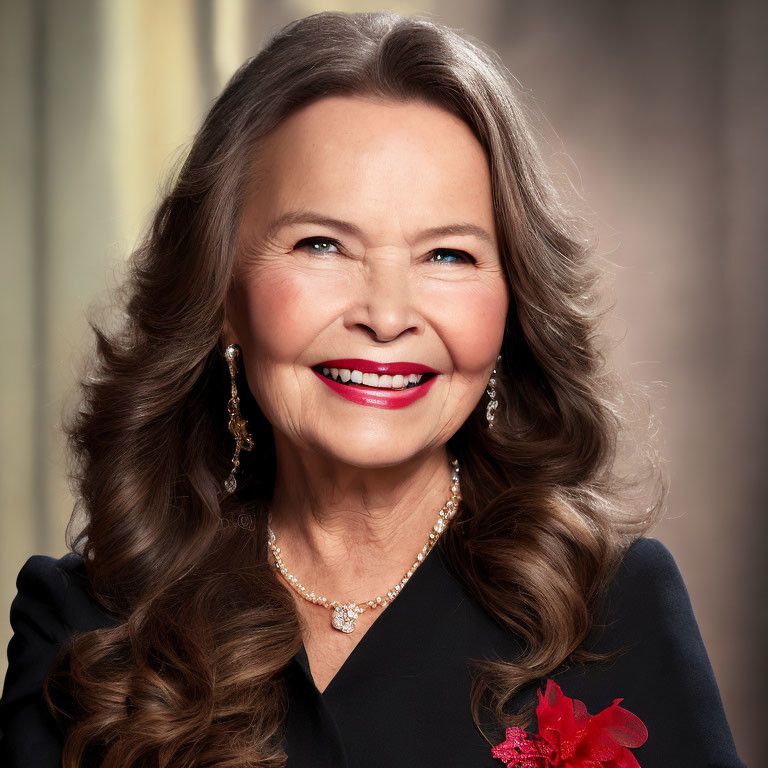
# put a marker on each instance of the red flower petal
(580, 713)
(627, 760)
(570, 738)
(627, 729)
(558, 722)
(554, 706)
(522, 749)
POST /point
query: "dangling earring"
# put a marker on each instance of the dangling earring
(237, 424)
(493, 403)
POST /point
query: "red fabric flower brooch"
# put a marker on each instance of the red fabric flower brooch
(569, 737)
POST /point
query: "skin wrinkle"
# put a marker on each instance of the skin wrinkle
(311, 217)
(357, 487)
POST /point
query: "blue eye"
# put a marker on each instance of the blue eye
(318, 244)
(444, 256)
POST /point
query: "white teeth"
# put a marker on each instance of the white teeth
(383, 381)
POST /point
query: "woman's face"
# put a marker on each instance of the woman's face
(367, 248)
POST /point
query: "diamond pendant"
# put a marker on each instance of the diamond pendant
(344, 616)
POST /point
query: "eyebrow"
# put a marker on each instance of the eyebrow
(310, 217)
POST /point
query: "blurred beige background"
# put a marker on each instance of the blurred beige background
(655, 111)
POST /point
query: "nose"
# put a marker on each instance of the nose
(385, 308)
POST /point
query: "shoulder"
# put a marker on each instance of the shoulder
(664, 674)
(647, 586)
(53, 603)
(646, 552)
(647, 610)
(647, 560)
(57, 594)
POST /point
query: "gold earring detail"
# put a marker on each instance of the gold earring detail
(237, 424)
(493, 401)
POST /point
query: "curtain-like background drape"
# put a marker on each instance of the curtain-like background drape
(655, 111)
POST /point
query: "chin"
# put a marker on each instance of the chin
(376, 450)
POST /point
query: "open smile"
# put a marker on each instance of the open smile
(381, 385)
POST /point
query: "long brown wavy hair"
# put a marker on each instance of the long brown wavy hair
(192, 672)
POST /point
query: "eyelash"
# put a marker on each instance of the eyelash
(330, 241)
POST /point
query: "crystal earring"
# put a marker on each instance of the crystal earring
(237, 424)
(493, 403)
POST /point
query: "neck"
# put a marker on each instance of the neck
(351, 532)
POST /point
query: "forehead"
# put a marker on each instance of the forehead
(383, 158)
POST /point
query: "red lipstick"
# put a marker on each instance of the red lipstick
(378, 397)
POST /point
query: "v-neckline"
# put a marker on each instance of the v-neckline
(376, 631)
(413, 662)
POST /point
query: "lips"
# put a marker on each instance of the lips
(378, 397)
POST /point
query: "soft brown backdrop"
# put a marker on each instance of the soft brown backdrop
(656, 111)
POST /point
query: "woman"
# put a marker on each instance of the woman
(347, 470)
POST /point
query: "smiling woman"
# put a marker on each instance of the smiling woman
(304, 543)
(391, 184)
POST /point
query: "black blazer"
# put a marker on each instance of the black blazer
(402, 696)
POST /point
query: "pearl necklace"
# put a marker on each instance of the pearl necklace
(345, 614)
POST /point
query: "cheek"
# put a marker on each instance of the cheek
(285, 310)
(472, 326)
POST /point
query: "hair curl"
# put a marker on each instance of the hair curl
(192, 674)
